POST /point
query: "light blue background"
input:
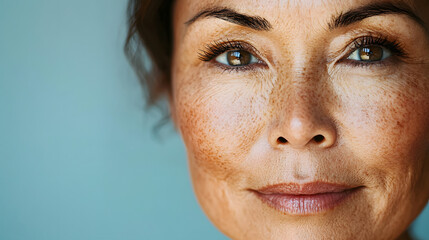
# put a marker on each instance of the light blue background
(77, 156)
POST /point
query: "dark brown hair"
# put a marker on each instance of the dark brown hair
(148, 45)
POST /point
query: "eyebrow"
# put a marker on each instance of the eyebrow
(342, 20)
(370, 10)
(253, 22)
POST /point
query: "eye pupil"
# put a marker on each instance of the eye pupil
(371, 53)
(238, 58)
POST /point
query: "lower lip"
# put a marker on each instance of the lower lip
(306, 204)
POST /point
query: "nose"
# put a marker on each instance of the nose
(301, 121)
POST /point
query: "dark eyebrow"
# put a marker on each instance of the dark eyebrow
(253, 22)
(370, 10)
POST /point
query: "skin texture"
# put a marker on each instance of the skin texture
(374, 118)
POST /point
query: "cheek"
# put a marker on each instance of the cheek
(219, 122)
(387, 129)
(388, 121)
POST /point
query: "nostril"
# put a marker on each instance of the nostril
(281, 140)
(319, 138)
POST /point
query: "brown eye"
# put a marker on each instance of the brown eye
(236, 58)
(370, 53)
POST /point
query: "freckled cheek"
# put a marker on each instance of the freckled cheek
(390, 131)
(219, 125)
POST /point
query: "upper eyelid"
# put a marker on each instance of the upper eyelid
(350, 46)
(400, 54)
(243, 46)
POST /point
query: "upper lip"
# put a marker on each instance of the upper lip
(310, 188)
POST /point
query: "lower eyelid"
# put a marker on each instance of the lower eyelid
(257, 66)
(388, 62)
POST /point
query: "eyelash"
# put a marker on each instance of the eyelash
(393, 46)
(216, 48)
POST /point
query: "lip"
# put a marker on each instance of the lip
(305, 199)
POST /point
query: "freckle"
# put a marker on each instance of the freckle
(399, 124)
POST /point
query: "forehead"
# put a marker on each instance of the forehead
(302, 19)
(276, 10)
(257, 5)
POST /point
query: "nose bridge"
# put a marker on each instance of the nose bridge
(300, 116)
(299, 96)
(297, 92)
(299, 109)
(298, 77)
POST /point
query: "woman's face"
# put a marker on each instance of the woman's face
(304, 119)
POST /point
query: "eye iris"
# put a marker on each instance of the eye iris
(371, 53)
(238, 58)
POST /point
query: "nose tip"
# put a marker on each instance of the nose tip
(301, 132)
(301, 115)
(319, 140)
